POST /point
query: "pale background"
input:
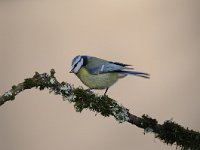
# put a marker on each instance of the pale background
(161, 37)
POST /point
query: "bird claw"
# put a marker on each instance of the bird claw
(89, 91)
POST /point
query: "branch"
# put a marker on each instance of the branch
(169, 132)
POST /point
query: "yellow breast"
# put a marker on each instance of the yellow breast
(99, 81)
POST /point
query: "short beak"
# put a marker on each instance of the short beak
(72, 71)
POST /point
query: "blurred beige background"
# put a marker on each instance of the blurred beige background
(158, 37)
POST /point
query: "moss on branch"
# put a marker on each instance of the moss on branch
(169, 132)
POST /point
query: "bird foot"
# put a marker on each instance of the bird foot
(89, 91)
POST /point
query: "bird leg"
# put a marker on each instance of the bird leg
(106, 91)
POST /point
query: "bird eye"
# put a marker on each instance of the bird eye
(75, 65)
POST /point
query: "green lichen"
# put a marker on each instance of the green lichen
(29, 83)
(120, 113)
(148, 122)
(52, 72)
(172, 133)
(101, 104)
(14, 87)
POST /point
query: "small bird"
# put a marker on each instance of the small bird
(98, 73)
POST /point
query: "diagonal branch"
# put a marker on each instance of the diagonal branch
(169, 132)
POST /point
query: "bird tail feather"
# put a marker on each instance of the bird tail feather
(140, 74)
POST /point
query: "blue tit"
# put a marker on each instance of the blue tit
(98, 73)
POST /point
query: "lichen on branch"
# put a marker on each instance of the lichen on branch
(169, 132)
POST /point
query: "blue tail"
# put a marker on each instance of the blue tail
(140, 74)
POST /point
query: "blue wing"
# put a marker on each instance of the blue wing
(103, 66)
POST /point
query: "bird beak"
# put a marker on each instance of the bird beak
(72, 71)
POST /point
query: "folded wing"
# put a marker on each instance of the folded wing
(98, 66)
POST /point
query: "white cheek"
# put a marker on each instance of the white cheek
(78, 67)
(77, 60)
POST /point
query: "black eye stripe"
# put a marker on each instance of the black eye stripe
(78, 63)
(75, 65)
(85, 60)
